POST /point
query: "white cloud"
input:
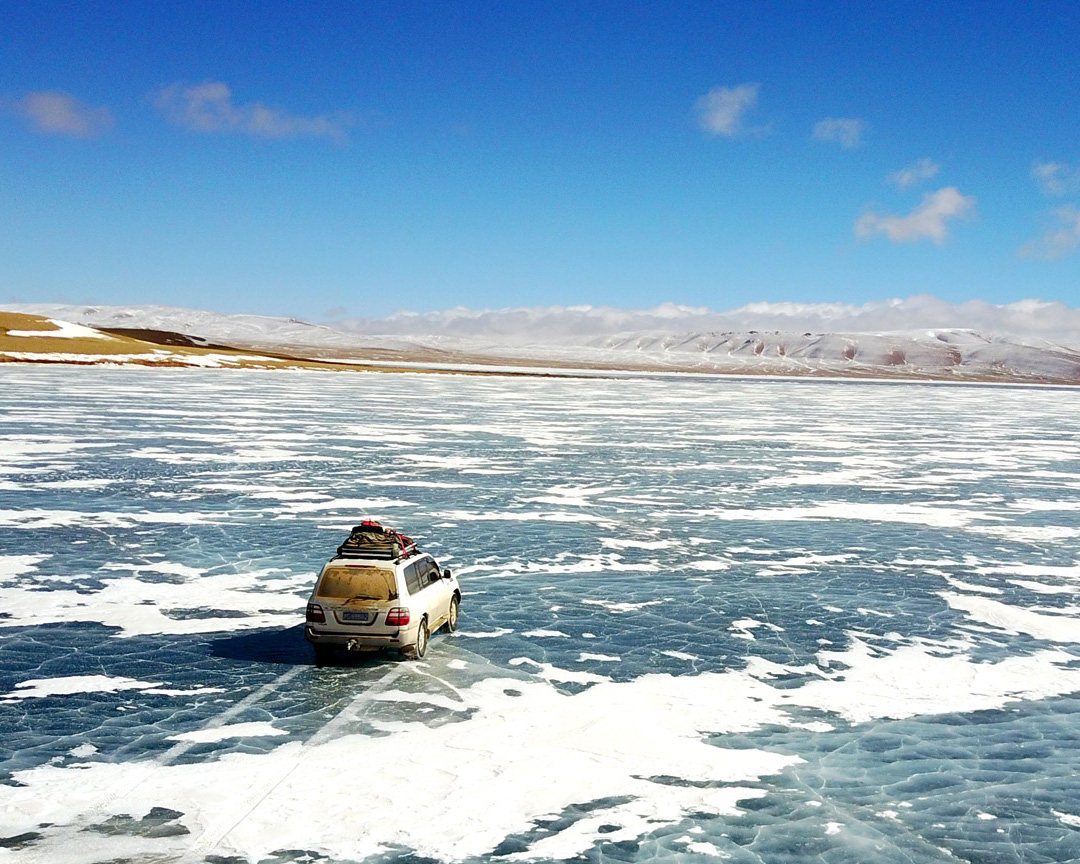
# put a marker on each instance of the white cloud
(209, 107)
(721, 110)
(927, 221)
(914, 174)
(1056, 178)
(846, 131)
(1058, 242)
(54, 113)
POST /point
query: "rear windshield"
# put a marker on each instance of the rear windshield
(364, 581)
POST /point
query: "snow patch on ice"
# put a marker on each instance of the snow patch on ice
(967, 586)
(1013, 619)
(916, 679)
(710, 566)
(1042, 588)
(935, 516)
(680, 655)
(137, 608)
(167, 567)
(39, 688)
(619, 543)
(551, 672)
(254, 729)
(621, 606)
(1059, 572)
(523, 516)
(18, 565)
(485, 634)
(354, 505)
(34, 518)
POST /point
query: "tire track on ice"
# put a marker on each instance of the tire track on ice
(180, 748)
(114, 794)
(213, 836)
(110, 800)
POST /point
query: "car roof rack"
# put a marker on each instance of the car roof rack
(379, 552)
(369, 539)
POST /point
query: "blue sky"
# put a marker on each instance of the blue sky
(359, 158)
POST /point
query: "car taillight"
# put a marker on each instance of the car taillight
(397, 617)
(315, 613)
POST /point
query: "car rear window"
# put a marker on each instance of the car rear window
(374, 583)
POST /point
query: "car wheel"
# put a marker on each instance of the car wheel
(452, 615)
(415, 652)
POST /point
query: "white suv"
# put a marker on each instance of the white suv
(368, 603)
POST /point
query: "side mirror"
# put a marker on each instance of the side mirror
(446, 574)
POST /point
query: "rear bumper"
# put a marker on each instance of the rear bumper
(320, 635)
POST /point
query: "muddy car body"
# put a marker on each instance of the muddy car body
(369, 603)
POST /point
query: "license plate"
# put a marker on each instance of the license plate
(356, 617)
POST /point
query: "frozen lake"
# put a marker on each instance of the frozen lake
(752, 621)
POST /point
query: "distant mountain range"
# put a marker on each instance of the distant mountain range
(918, 338)
(1028, 321)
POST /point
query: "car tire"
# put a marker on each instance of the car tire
(415, 652)
(452, 614)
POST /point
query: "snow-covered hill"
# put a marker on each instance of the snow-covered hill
(916, 338)
(936, 353)
(1026, 321)
(212, 326)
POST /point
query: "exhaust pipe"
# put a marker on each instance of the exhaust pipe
(352, 645)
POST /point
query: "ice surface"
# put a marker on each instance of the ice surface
(748, 621)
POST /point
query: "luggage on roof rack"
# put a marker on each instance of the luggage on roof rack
(369, 539)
